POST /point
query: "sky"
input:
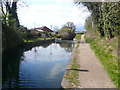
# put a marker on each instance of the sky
(51, 13)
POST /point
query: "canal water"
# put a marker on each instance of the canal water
(41, 66)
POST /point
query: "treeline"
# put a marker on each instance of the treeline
(13, 34)
(105, 16)
(103, 29)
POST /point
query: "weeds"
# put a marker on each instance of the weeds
(73, 73)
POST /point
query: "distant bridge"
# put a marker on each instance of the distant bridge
(80, 32)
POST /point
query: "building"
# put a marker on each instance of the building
(41, 31)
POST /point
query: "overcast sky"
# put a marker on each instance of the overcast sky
(51, 12)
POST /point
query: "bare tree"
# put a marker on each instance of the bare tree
(9, 12)
(69, 25)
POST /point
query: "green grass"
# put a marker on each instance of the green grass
(109, 61)
(73, 74)
(78, 36)
(37, 39)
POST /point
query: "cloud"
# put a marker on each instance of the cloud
(56, 69)
(56, 14)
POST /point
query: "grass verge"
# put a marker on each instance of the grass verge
(73, 75)
(36, 39)
(78, 36)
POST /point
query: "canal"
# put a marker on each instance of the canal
(41, 66)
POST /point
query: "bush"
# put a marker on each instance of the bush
(66, 34)
(10, 37)
(58, 35)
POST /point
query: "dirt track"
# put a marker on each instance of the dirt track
(92, 74)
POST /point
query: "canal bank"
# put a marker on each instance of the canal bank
(43, 43)
(71, 75)
(29, 45)
(91, 73)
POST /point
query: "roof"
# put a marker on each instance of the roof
(44, 28)
(39, 30)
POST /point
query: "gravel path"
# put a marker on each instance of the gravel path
(92, 74)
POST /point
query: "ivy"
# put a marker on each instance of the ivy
(106, 17)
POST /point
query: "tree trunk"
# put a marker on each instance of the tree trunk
(110, 33)
(14, 13)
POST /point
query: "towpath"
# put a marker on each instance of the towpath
(92, 74)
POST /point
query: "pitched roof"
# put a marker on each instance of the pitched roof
(45, 29)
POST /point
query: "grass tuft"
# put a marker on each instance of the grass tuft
(73, 73)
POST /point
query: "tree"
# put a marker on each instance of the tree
(69, 25)
(105, 15)
(111, 18)
(96, 13)
(66, 34)
(9, 12)
(88, 23)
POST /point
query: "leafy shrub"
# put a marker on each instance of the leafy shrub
(10, 37)
(58, 35)
(66, 34)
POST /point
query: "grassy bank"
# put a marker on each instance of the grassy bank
(106, 50)
(73, 75)
(36, 39)
(78, 36)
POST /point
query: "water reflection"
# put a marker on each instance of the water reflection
(66, 44)
(41, 66)
(10, 64)
(44, 45)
